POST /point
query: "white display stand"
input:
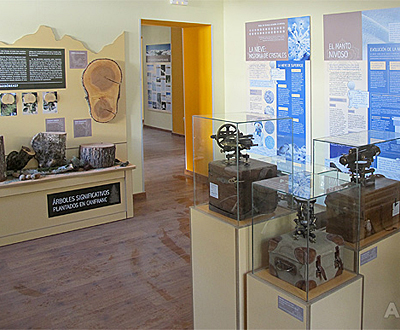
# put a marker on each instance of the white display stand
(221, 256)
(381, 271)
(271, 307)
(24, 204)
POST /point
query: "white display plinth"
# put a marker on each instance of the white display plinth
(221, 256)
(380, 266)
(271, 307)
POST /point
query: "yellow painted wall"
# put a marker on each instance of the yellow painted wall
(198, 87)
(19, 130)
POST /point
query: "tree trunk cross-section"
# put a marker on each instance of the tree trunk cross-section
(102, 80)
(98, 155)
(18, 160)
(3, 174)
(50, 148)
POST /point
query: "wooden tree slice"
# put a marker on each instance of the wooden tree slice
(18, 160)
(50, 148)
(3, 168)
(102, 80)
(97, 155)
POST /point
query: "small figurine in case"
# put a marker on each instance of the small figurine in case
(296, 260)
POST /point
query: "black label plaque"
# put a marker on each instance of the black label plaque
(32, 68)
(83, 199)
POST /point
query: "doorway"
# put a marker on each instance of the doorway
(191, 77)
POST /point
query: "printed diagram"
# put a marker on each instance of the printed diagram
(30, 104)
(299, 38)
(50, 101)
(357, 99)
(258, 126)
(8, 104)
(269, 96)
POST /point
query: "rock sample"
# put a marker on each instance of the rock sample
(16, 161)
(3, 174)
(97, 155)
(50, 148)
(102, 80)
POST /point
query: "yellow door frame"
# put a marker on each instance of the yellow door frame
(197, 75)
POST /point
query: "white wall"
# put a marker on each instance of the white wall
(237, 13)
(97, 23)
(153, 35)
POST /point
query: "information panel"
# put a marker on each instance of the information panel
(32, 68)
(278, 57)
(362, 79)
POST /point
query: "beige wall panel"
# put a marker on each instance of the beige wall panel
(97, 23)
(19, 130)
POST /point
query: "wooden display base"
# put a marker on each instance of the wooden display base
(314, 293)
(58, 203)
(221, 255)
(271, 306)
(381, 269)
(279, 212)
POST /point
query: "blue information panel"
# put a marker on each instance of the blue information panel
(291, 102)
(384, 94)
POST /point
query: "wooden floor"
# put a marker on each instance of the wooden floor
(130, 274)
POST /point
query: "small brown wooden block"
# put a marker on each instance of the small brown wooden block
(98, 155)
(16, 161)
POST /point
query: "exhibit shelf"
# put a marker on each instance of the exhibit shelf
(58, 203)
(264, 274)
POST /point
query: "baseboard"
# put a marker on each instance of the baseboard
(139, 195)
(178, 134)
(158, 128)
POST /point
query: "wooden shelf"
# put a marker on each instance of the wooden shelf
(27, 214)
(314, 293)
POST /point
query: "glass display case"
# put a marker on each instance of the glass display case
(372, 159)
(291, 246)
(230, 152)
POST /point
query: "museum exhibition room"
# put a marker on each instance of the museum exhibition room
(200, 164)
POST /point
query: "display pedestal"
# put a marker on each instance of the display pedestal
(269, 306)
(221, 256)
(380, 266)
(63, 202)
